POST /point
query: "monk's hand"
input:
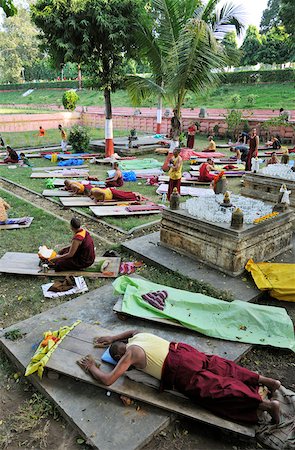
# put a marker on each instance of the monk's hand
(87, 363)
(103, 341)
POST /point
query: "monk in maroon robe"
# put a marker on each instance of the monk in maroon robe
(215, 383)
(79, 255)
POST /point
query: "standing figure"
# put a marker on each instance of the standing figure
(192, 129)
(253, 149)
(63, 135)
(175, 173)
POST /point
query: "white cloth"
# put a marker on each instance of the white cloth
(173, 146)
(63, 145)
(80, 287)
(286, 195)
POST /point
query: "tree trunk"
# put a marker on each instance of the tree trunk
(79, 78)
(109, 143)
(159, 114)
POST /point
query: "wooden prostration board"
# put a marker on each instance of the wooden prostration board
(165, 179)
(35, 169)
(87, 201)
(28, 264)
(55, 175)
(16, 226)
(104, 211)
(79, 342)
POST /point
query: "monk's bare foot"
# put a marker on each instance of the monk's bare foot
(275, 411)
(272, 384)
(86, 362)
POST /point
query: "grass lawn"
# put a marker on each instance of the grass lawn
(268, 96)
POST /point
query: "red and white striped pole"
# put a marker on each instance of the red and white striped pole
(109, 142)
(159, 115)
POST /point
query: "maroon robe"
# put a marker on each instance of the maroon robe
(215, 383)
(84, 256)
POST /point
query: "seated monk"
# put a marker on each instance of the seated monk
(273, 159)
(12, 156)
(107, 194)
(117, 179)
(215, 383)
(75, 187)
(212, 146)
(205, 170)
(79, 255)
(4, 206)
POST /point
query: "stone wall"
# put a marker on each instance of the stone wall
(32, 122)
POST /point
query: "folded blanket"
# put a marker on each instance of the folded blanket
(17, 221)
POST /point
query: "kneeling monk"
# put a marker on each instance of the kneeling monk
(215, 383)
(79, 255)
(107, 194)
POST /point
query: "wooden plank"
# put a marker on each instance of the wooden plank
(112, 211)
(15, 226)
(184, 181)
(77, 201)
(49, 168)
(56, 193)
(64, 360)
(59, 182)
(55, 175)
(28, 264)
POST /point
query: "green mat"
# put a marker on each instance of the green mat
(234, 321)
(138, 164)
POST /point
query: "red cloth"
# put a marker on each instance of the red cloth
(252, 152)
(123, 195)
(9, 160)
(84, 256)
(190, 141)
(172, 184)
(118, 183)
(215, 383)
(205, 174)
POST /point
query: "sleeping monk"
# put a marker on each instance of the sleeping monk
(79, 255)
(215, 383)
(117, 179)
(107, 194)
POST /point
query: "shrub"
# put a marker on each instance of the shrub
(246, 126)
(234, 123)
(262, 76)
(69, 100)
(79, 139)
(251, 99)
(235, 99)
(40, 85)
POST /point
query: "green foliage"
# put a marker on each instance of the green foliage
(287, 14)
(8, 7)
(276, 47)
(70, 99)
(79, 139)
(230, 45)
(251, 47)
(263, 76)
(234, 123)
(236, 99)
(270, 17)
(251, 99)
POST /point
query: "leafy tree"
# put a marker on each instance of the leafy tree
(287, 14)
(79, 139)
(251, 46)
(270, 17)
(276, 47)
(230, 45)
(18, 46)
(96, 33)
(181, 42)
(70, 99)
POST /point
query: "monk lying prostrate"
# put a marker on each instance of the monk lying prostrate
(79, 255)
(107, 194)
(75, 187)
(215, 383)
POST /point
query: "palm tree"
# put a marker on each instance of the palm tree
(181, 42)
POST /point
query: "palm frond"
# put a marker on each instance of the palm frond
(208, 10)
(140, 88)
(229, 15)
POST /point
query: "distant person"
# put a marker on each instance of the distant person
(274, 143)
(79, 255)
(117, 179)
(24, 161)
(12, 156)
(253, 149)
(272, 160)
(191, 133)
(41, 131)
(212, 146)
(286, 115)
(63, 135)
(2, 144)
(175, 172)
(205, 170)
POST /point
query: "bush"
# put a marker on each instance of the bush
(251, 99)
(234, 123)
(40, 85)
(79, 139)
(262, 76)
(69, 100)
(235, 99)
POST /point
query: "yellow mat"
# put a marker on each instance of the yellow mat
(278, 279)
